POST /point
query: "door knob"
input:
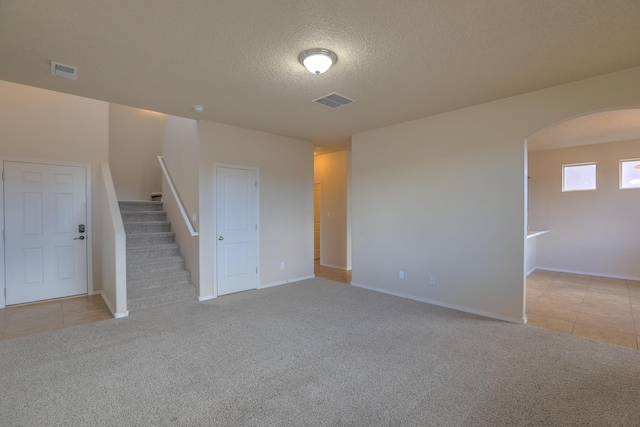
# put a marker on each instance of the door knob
(220, 238)
(79, 238)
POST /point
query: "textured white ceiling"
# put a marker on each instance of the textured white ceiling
(399, 60)
(596, 128)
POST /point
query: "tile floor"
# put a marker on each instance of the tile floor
(594, 307)
(28, 319)
(599, 308)
(332, 273)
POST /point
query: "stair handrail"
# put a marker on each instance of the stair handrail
(177, 197)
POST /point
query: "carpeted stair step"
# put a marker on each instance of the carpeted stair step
(155, 297)
(143, 205)
(148, 281)
(146, 227)
(142, 216)
(155, 251)
(155, 270)
(154, 265)
(150, 239)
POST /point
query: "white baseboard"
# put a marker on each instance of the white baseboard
(587, 273)
(110, 307)
(337, 267)
(205, 298)
(443, 304)
(531, 271)
(284, 282)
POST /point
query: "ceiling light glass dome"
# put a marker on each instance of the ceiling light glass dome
(317, 61)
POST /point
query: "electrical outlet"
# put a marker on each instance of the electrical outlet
(401, 275)
(282, 265)
(432, 280)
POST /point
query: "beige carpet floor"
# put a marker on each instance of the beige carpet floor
(314, 353)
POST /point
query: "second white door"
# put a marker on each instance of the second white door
(237, 229)
(316, 221)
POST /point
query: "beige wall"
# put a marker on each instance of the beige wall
(592, 232)
(181, 152)
(443, 196)
(333, 172)
(47, 125)
(135, 141)
(286, 199)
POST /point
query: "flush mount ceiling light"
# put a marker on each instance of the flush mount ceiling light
(198, 108)
(317, 60)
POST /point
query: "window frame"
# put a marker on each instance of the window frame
(569, 165)
(620, 174)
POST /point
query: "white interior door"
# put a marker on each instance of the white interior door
(316, 221)
(237, 229)
(45, 252)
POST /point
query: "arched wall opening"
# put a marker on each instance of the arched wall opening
(592, 232)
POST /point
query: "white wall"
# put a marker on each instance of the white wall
(114, 245)
(181, 152)
(333, 172)
(135, 141)
(592, 232)
(531, 255)
(444, 196)
(47, 125)
(286, 199)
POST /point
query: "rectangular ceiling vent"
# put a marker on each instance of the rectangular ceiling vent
(66, 71)
(334, 100)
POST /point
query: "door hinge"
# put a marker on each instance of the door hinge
(256, 183)
(3, 174)
(256, 269)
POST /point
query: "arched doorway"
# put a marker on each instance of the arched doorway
(583, 277)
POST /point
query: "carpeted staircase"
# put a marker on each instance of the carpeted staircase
(155, 270)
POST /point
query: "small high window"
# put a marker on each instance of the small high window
(579, 177)
(630, 173)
